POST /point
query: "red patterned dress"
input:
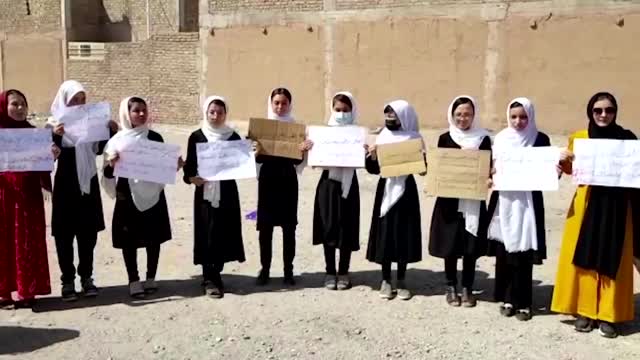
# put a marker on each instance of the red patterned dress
(24, 267)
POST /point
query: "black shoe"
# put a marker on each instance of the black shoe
(214, 289)
(69, 292)
(263, 278)
(288, 279)
(89, 289)
(523, 314)
(583, 324)
(507, 310)
(452, 296)
(607, 330)
(468, 300)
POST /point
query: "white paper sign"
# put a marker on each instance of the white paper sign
(226, 160)
(607, 162)
(26, 150)
(338, 146)
(148, 160)
(526, 169)
(86, 123)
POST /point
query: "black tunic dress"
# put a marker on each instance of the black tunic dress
(217, 231)
(448, 237)
(74, 213)
(336, 220)
(531, 256)
(131, 227)
(277, 192)
(396, 237)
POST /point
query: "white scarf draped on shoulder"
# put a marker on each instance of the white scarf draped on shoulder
(211, 191)
(144, 194)
(344, 175)
(85, 153)
(395, 186)
(468, 139)
(514, 221)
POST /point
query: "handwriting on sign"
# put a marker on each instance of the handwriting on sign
(226, 160)
(25, 150)
(606, 162)
(526, 169)
(85, 123)
(147, 160)
(277, 138)
(456, 173)
(402, 158)
(339, 146)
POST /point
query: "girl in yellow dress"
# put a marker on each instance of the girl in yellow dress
(595, 269)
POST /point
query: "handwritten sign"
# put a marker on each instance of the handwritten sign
(26, 150)
(148, 160)
(607, 162)
(337, 146)
(456, 173)
(226, 160)
(85, 123)
(526, 169)
(277, 138)
(402, 158)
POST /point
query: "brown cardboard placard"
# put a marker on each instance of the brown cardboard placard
(402, 158)
(456, 173)
(277, 138)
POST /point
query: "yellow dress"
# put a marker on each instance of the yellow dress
(585, 292)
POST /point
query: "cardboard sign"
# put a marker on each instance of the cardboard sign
(277, 138)
(402, 158)
(456, 173)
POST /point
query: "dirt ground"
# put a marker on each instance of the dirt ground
(307, 321)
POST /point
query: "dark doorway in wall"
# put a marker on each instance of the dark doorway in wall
(189, 14)
(88, 20)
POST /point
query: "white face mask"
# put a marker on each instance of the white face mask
(343, 118)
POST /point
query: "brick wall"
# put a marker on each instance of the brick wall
(163, 70)
(33, 16)
(260, 5)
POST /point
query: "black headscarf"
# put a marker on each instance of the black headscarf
(603, 229)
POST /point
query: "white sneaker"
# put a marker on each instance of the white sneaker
(150, 286)
(136, 290)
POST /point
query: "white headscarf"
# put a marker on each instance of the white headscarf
(212, 188)
(468, 139)
(515, 223)
(144, 194)
(394, 186)
(343, 175)
(85, 153)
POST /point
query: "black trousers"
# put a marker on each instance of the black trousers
(400, 275)
(131, 262)
(330, 260)
(468, 271)
(64, 248)
(211, 272)
(288, 247)
(514, 279)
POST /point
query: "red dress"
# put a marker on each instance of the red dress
(23, 247)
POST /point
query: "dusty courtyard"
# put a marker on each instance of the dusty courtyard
(307, 321)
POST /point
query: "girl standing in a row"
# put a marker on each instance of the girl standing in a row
(395, 234)
(336, 215)
(24, 267)
(517, 225)
(140, 216)
(456, 224)
(216, 204)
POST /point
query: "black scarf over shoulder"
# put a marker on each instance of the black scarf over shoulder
(602, 234)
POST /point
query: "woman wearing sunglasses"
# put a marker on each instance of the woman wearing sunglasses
(595, 269)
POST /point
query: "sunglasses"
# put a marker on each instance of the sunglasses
(608, 110)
